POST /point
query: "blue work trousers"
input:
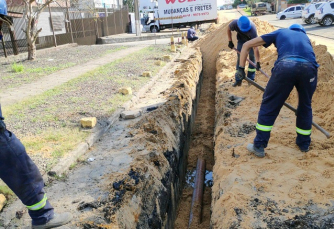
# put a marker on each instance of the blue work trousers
(251, 68)
(22, 176)
(287, 74)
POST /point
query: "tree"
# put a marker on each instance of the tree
(31, 14)
(298, 1)
(237, 2)
(130, 4)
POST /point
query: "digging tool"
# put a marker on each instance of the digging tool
(327, 134)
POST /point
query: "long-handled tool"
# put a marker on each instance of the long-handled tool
(285, 104)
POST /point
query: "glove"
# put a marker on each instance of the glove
(230, 45)
(258, 66)
(240, 75)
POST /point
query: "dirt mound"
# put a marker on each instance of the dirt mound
(287, 188)
(326, 62)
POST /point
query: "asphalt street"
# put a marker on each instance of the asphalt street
(315, 29)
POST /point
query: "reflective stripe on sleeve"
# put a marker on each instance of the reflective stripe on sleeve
(303, 132)
(251, 69)
(263, 127)
(39, 205)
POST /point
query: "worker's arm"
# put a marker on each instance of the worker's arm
(257, 57)
(257, 54)
(229, 33)
(229, 36)
(247, 46)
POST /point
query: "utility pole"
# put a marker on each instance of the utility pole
(137, 19)
(278, 6)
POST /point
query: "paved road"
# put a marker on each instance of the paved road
(315, 29)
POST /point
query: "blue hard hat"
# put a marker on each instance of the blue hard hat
(244, 24)
(3, 7)
(297, 27)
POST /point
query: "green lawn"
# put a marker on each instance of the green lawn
(248, 11)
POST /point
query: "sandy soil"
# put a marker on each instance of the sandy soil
(287, 188)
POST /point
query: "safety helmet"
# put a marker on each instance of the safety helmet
(3, 7)
(297, 27)
(244, 24)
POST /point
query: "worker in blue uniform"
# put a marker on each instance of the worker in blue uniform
(295, 66)
(246, 31)
(191, 34)
(22, 176)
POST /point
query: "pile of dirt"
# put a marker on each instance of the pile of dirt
(287, 188)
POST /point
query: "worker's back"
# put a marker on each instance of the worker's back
(291, 43)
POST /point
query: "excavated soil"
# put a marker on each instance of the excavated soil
(287, 188)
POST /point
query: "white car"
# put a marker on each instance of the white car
(291, 12)
(325, 14)
(309, 12)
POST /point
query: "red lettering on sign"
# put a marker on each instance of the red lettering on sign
(180, 1)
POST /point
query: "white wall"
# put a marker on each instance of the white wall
(44, 23)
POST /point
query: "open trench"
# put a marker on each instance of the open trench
(201, 148)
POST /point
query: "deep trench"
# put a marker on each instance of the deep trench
(201, 146)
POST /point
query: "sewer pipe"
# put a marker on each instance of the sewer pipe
(197, 199)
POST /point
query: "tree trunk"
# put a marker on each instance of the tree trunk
(32, 51)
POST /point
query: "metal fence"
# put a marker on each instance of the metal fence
(61, 25)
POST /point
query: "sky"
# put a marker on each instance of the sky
(224, 2)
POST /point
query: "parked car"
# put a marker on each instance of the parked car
(242, 6)
(325, 14)
(291, 12)
(222, 7)
(309, 12)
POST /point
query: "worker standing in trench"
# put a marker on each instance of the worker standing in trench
(295, 66)
(22, 176)
(246, 31)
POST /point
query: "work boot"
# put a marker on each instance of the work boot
(304, 148)
(259, 152)
(237, 83)
(57, 221)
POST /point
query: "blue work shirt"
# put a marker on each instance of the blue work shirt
(243, 36)
(191, 33)
(3, 7)
(290, 43)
